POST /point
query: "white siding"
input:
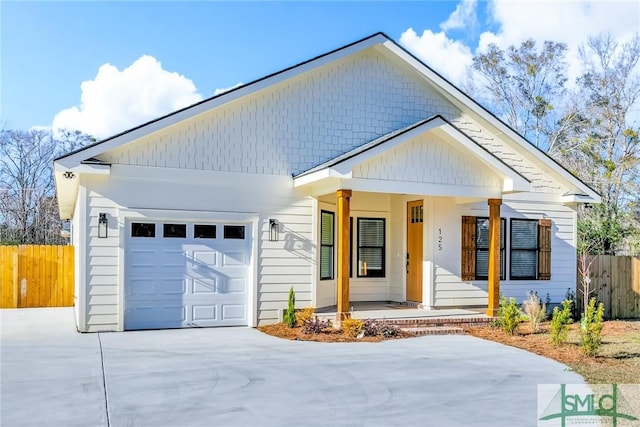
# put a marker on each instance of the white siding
(540, 181)
(296, 125)
(449, 290)
(428, 159)
(280, 265)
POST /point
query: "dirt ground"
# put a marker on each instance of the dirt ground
(281, 330)
(617, 362)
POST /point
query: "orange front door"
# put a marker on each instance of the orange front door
(414, 251)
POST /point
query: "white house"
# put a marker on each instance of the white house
(359, 175)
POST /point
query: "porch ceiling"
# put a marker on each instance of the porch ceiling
(342, 171)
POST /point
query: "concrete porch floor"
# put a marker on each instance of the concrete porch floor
(395, 310)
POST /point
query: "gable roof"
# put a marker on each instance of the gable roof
(382, 43)
(342, 165)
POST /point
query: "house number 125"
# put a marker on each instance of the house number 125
(440, 239)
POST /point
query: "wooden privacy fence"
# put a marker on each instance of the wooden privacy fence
(615, 281)
(36, 276)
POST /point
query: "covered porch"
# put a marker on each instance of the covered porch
(389, 218)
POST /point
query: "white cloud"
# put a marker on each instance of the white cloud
(464, 16)
(218, 91)
(570, 22)
(118, 100)
(452, 58)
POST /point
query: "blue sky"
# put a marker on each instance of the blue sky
(48, 49)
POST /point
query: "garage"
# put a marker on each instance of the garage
(186, 274)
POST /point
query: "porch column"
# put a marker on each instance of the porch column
(344, 208)
(494, 257)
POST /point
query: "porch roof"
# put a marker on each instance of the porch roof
(339, 170)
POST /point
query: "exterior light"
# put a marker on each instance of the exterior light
(273, 230)
(103, 225)
(69, 175)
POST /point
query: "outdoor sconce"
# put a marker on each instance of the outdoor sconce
(69, 175)
(273, 230)
(102, 225)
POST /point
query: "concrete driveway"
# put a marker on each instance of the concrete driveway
(54, 376)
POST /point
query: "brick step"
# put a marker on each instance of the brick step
(459, 322)
(434, 330)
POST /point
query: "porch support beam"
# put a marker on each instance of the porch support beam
(494, 257)
(344, 209)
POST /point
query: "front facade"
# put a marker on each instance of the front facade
(360, 175)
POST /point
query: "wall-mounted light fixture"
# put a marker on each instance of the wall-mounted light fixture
(69, 175)
(273, 230)
(103, 225)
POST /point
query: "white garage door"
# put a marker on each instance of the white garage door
(186, 274)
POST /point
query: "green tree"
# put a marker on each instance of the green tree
(602, 146)
(524, 85)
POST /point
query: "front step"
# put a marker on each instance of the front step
(438, 325)
(426, 322)
(434, 330)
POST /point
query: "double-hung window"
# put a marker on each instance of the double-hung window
(371, 247)
(530, 249)
(327, 244)
(482, 248)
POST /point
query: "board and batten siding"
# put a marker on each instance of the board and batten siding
(279, 265)
(450, 290)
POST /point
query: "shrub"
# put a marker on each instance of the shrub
(535, 310)
(560, 320)
(509, 315)
(290, 314)
(316, 326)
(373, 328)
(591, 328)
(388, 331)
(304, 315)
(370, 328)
(352, 327)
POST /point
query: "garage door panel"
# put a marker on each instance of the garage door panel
(172, 287)
(204, 286)
(186, 282)
(168, 314)
(233, 311)
(237, 285)
(141, 288)
(230, 258)
(174, 258)
(141, 258)
(205, 258)
(204, 312)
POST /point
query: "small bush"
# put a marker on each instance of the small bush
(304, 315)
(591, 328)
(290, 314)
(388, 331)
(535, 310)
(316, 326)
(509, 315)
(352, 327)
(560, 320)
(373, 328)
